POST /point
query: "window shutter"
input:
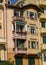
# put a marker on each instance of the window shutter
(36, 30)
(44, 39)
(25, 28)
(35, 15)
(19, 61)
(28, 29)
(27, 13)
(31, 61)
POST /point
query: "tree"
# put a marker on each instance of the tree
(6, 63)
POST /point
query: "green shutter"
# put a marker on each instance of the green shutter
(31, 61)
(19, 61)
(42, 24)
(44, 39)
(42, 10)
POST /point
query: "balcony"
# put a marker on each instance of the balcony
(2, 41)
(43, 46)
(20, 51)
(19, 36)
(42, 2)
(33, 51)
(42, 30)
(43, 16)
(18, 18)
(21, 31)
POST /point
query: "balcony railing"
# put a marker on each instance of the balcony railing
(20, 51)
(19, 36)
(21, 31)
(43, 16)
(33, 51)
(42, 30)
(18, 18)
(43, 46)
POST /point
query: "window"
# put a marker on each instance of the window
(21, 4)
(16, 13)
(45, 56)
(42, 10)
(33, 45)
(21, 13)
(44, 39)
(31, 61)
(42, 24)
(31, 15)
(28, 44)
(19, 61)
(32, 29)
(20, 44)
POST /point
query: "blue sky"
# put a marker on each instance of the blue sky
(13, 1)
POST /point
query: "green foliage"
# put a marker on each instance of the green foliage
(6, 63)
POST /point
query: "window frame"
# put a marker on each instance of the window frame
(33, 42)
(32, 30)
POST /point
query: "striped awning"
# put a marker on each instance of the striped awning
(20, 23)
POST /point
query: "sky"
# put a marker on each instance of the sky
(13, 1)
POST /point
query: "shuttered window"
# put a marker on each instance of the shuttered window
(31, 61)
(32, 30)
(44, 56)
(44, 39)
(43, 24)
(19, 61)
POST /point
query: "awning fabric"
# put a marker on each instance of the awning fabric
(20, 23)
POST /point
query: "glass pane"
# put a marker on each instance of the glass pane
(31, 15)
(33, 44)
(32, 29)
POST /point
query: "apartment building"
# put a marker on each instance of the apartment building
(42, 21)
(23, 32)
(3, 52)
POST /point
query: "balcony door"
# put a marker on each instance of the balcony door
(31, 61)
(19, 61)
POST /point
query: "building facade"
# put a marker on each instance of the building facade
(23, 32)
(3, 51)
